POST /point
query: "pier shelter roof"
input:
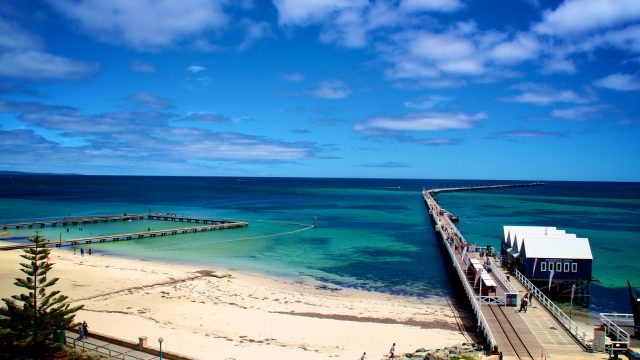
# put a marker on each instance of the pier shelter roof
(514, 235)
(510, 232)
(557, 248)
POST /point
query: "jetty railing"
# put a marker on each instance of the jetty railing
(493, 300)
(562, 318)
(611, 324)
(508, 286)
(483, 325)
(85, 345)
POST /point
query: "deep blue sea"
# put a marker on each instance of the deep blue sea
(372, 234)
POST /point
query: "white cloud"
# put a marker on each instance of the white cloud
(144, 24)
(142, 67)
(125, 138)
(459, 52)
(523, 47)
(576, 113)
(431, 5)
(204, 45)
(291, 12)
(347, 23)
(447, 52)
(36, 65)
(558, 65)
(422, 121)
(527, 133)
(254, 31)
(427, 102)
(293, 77)
(22, 56)
(149, 101)
(537, 94)
(194, 69)
(445, 46)
(581, 16)
(331, 89)
(620, 82)
(13, 37)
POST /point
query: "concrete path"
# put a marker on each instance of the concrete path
(105, 348)
(553, 337)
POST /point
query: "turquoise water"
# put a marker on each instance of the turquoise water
(373, 234)
(611, 224)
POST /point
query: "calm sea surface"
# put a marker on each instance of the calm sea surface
(372, 234)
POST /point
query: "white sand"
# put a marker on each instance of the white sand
(243, 316)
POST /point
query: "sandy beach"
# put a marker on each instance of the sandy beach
(213, 313)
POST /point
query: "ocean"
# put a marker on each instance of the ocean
(372, 234)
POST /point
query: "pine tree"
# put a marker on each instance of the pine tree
(30, 318)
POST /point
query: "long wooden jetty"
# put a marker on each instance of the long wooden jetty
(207, 225)
(483, 187)
(493, 297)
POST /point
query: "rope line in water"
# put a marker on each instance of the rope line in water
(182, 246)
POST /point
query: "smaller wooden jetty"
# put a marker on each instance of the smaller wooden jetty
(72, 221)
(188, 219)
(204, 224)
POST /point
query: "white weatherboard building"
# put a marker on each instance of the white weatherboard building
(539, 250)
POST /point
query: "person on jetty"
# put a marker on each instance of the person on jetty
(392, 351)
(523, 304)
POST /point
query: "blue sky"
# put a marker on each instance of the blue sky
(517, 89)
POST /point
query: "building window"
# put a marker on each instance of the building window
(574, 267)
(566, 267)
(543, 266)
(558, 266)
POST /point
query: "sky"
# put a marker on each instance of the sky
(443, 89)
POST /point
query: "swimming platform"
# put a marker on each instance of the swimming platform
(203, 224)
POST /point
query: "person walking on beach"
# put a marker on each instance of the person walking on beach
(392, 351)
(89, 250)
(81, 251)
(364, 356)
(74, 250)
(85, 329)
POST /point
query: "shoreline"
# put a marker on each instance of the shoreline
(241, 314)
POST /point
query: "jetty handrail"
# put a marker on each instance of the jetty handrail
(484, 299)
(503, 279)
(482, 321)
(562, 318)
(483, 187)
(611, 325)
(89, 346)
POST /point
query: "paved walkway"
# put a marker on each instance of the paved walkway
(105, 348)
(553, 337)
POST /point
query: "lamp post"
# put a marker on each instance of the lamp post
(160, 340)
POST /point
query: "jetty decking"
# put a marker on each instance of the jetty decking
(73, 221)
(207, 225)
(197, 220)
(517, 335)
